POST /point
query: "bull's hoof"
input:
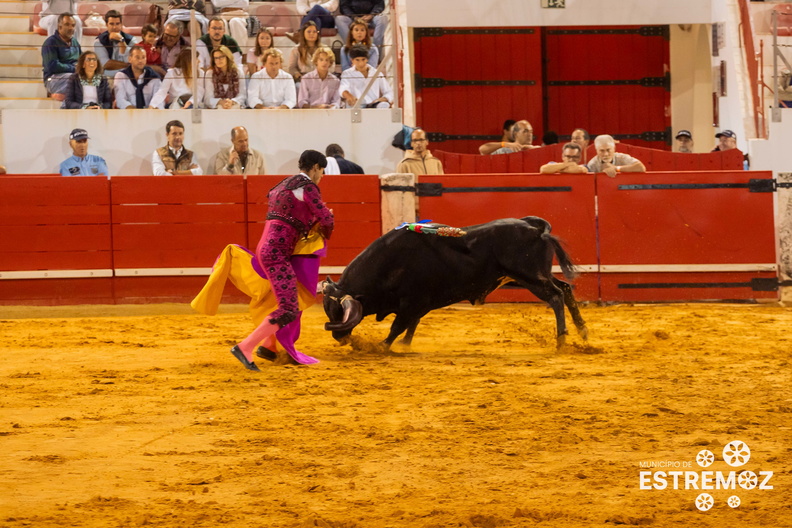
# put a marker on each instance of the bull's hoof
(343, 341)
(560, 342)
(583, 331)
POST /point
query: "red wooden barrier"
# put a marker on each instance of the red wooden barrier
(566, 201)
(682, 236)
(354, 199)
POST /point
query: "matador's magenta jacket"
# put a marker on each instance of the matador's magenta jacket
(298, 202)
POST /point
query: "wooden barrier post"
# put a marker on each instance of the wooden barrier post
(784, 233)
(398, 199)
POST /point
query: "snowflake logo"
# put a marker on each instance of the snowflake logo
(747, 480)
(734, 501)
(705, 458)
(736, 453)
(704, 502)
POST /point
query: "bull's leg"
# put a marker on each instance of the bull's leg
(572, 306)
(552, 295)
(408, 336)
(400, 324)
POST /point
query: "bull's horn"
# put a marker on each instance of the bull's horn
(353, 313)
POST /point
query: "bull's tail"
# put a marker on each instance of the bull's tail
(568, 268)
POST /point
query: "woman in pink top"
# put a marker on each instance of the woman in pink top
(264, 40)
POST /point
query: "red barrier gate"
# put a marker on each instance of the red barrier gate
(566, 201)
(683, 236)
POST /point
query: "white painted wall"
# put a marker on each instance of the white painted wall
(36, 141)
(501, 13)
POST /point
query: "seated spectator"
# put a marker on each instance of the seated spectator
(213, 40)
(81, 163)
(344, 165)
(264, 40)
(51, 10)
(224, 83)
(320, 12)
(180, 10)
(240, 158)
(571, 156)
(148, 35)
(175, 92)
(301, 57)
(234, 14)
(271, 87)
(112, 46)
(521, 138)
(136, 84)
(319, 88)
(355, 79)
(727, 140)
(87, 87)
(684, 141)
(170, 45)
(174, 159)
(368, 10)
(59, 55)
(611, 162)
(419, 160)
(507, 130)
(358, 34)
(549, 138)
(582, 138)
(2, 169)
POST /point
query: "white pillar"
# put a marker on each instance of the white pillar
(398, 199)
(784, 231)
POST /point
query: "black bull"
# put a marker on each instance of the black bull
(410, 274)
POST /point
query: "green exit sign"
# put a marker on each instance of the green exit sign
(560, 4)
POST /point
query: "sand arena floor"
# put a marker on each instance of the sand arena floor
(123, 416)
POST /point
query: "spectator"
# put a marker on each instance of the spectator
(264, 40)
(419, 160)
(136, 84)
(371, 13)
(51, 11)
(319, 88)
(224, 83)
(213, 40)
(522, 136)
(549, 138)
(240, 158)
(358, 34)
(317, 11)
(272, 87)
(2, 169)
(355, 79)
(234, 14)
(176, 87)
(344, 165)
(611, 162)
(180, 10)
(727, 140)
(148, 42)
(571, 156)
(170, 45)
(59, 55)
(113, 46)
(87, 87)
(582, 138)
(301, 57)
(81, 163)
(507, 130)
(684, 141)
(174, 159)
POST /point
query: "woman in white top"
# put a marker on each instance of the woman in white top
(264, 40)
(301, 58)
(224, 84)
(177, 84)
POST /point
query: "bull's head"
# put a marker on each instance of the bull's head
(343, 311)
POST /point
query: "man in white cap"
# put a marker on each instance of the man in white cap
(684, 141)
(81, 163)
(727, 140)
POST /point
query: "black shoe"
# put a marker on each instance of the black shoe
(266, 353)
(237, 353)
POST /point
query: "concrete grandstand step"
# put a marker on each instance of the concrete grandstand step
(17, 23)
(29, 103)
(20, 72)
(23, 89)
(9, 7)
(20, 38)
(20, 54)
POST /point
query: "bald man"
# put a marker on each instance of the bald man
(240, 158)
(522, 137)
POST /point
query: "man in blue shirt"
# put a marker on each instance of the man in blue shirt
(81, 163)
(59, 55)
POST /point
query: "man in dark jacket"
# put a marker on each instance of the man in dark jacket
(59, 55)
(113, 46)
(371, 11)
(344, 166)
